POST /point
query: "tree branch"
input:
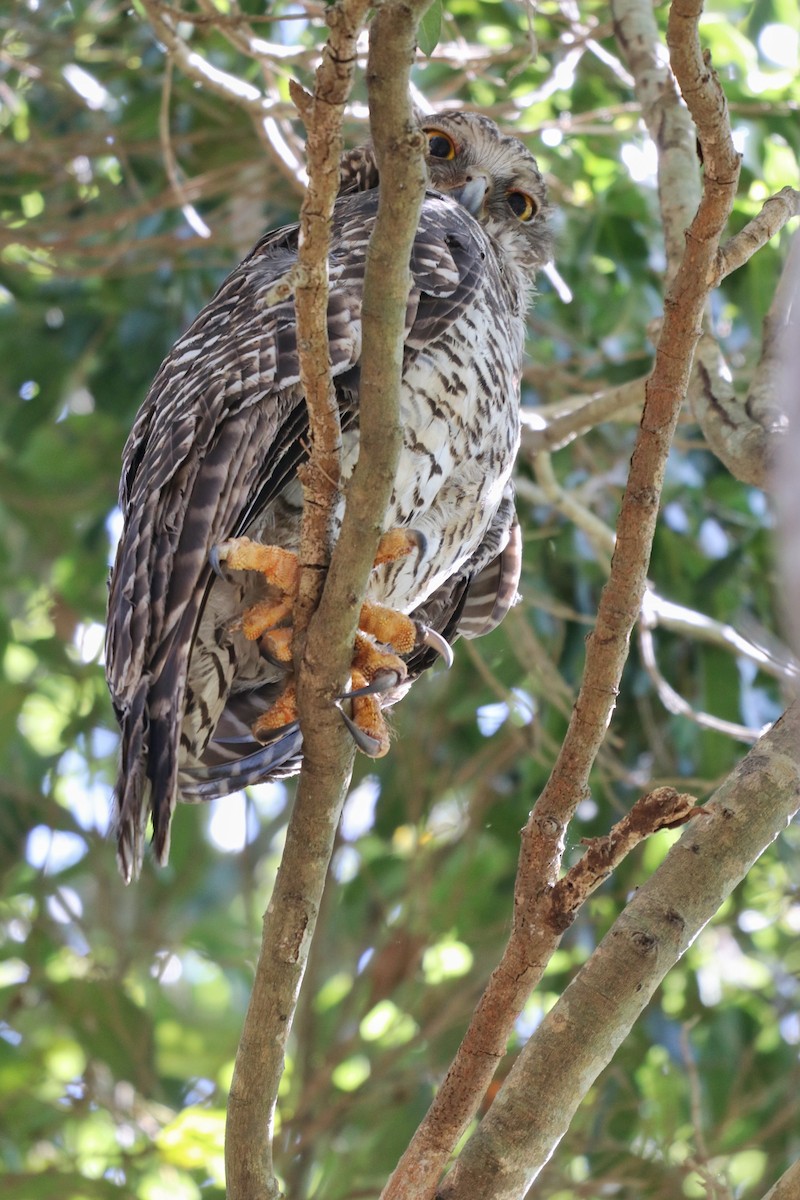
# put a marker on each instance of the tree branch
(323, 662)
(739, 249)
(783, 319)
(290, 918)
(663, 808)
(667, 120)
(231, 89)
(542, 432)
(581, 1033)
(745, 434)
(537, 926)
(788, 1186)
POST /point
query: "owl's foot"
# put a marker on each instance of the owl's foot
(400, 633)
(384, 636)
(367, 725)
(282, 712)
(279, 567)
(375, 671)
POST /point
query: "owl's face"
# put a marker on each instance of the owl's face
(497, 180)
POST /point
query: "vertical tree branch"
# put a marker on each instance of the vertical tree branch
(782, 327)
(324, 659)
(291, 915)
(667, 120)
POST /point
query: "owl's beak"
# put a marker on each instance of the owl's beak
(471, 193)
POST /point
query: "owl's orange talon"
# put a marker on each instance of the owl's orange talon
(282, 712)
(279, 567)
(375, 669)
(386, 625)
(264, 616)
(397, 543)
(277, 643)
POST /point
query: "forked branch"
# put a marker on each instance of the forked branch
(537, 927)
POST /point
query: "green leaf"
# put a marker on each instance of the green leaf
(430, 28)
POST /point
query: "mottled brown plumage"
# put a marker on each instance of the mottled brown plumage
(215, 449)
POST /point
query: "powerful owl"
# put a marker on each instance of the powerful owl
(198, 646)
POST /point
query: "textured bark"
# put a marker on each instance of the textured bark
(291, 916)
(786, 348)
(788, 1186)
(745, 434)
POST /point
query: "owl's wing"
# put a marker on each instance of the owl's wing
(220, 434)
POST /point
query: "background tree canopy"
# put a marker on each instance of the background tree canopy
(132, 181)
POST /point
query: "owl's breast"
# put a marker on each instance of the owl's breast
(460, 417)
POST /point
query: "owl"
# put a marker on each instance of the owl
(198, 646)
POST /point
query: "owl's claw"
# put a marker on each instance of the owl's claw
(383, 681)
(373, 747)
(367, 724)
(216, 556)
(434, 640)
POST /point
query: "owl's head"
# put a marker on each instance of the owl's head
(496, 178)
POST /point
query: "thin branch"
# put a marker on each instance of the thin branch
(584, 413)
(760, 647)
(746, 434)
(323, 662)
(663, 808)
(596, 530)
(667, 121)
(784, 317)
(290, 919)
(222, 20)
(695, 1089)
(399, 150)
(193, 217)
(262, 109)
(739, 249)
(675, 703)
(230, 88)
(623, 594)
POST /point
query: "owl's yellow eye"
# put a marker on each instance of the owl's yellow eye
(440, 145)
(522, 205)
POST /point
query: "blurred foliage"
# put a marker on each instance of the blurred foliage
(126, 193)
